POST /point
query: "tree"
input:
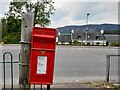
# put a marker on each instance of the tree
(11, 30)
(42, 10)
(4, 27)
(11, 24)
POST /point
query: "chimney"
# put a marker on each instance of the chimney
(72, 32)
(58, 33)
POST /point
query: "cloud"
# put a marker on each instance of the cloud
(74, 13)
(86, 0)
(4, 6)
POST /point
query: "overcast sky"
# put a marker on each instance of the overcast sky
(74, 12)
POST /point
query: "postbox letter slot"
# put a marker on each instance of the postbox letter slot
(44, 36)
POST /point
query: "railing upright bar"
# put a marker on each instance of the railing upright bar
(19, 61)
(41, 86)
(11, 71)
(4, 70)
(34, 86)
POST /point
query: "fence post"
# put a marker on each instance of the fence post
(107, 68)
(119, 70)
(26, 28)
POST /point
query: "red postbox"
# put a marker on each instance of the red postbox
(43, 46)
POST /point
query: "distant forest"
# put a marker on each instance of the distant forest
(108, 28)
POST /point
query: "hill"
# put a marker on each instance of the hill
(108, 28)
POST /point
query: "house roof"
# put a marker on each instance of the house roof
(78, 35)
(64, 38)
(112, 38)
(90, 35)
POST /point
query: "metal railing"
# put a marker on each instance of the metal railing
(11, 62)
(108, 65)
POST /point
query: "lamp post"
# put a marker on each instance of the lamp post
(87, 18)
(86, 26)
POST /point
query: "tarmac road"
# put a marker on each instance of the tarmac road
(72, 63)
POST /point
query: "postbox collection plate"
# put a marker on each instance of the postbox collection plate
(41, 64)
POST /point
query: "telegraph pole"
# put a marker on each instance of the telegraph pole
(26, 28)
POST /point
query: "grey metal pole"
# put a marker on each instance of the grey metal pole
(26, 28)
(107, 68)
(87, 18)
(86, 26)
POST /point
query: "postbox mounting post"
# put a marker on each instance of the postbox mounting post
(26, 29)
(48, 87)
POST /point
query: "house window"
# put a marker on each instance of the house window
(88, 43)
(97, 36)
(79, 36)
(97, 43)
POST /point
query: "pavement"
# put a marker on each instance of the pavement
(83, 85)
